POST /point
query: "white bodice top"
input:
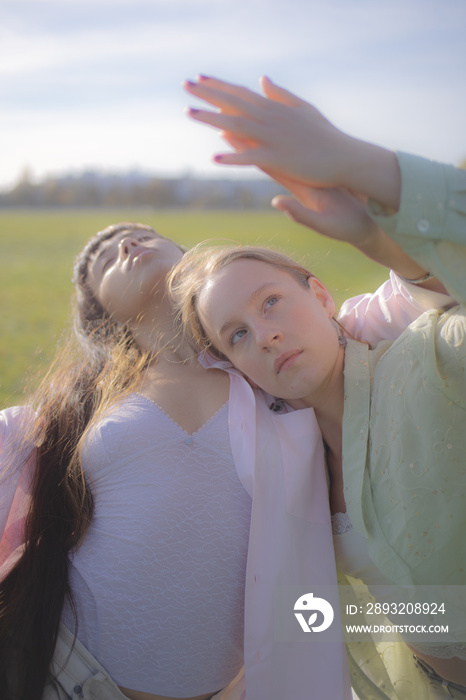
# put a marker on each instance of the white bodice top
(159, 578)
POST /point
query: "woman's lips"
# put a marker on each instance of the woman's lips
(137, 255)
(286, 360)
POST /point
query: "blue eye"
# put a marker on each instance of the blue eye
(237, 335)
(270, 302)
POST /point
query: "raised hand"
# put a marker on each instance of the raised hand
(341, 215)
(332, 212)
(287, 137)
(279, 133)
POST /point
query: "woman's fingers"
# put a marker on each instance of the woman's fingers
(308, 196)
(230, 88)
(335, 213)
(229, 98)
(237, 143)
(269, 88)
(241, 127)
(279, 94)
(240, 133)
(240, 100)
(248, 156)
(297, 212)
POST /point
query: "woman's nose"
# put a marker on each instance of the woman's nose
(266, 336)
(126, 245)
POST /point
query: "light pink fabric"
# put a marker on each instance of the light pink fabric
(386, 313)
(290, 544)
(17, 465)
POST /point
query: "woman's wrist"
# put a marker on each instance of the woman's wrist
(374, 172)
(378, 246)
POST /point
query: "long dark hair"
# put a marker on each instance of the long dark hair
(99, 362)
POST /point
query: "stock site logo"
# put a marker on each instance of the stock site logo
(308, 604)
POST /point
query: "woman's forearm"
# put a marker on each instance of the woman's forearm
(374, 172)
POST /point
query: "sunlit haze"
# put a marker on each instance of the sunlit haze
(96, 84)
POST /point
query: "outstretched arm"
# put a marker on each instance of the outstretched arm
(288, 137)
(321, 166)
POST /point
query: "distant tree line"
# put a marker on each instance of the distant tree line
(136, 189)
(92, 189)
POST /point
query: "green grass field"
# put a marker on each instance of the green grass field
(37, 254)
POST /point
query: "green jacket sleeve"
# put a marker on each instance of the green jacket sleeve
(431, 222)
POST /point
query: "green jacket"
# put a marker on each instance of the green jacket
(404, 424)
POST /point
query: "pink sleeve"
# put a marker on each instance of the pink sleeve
(17, 461)
(386, 313)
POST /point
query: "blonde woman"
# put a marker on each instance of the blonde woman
(274, 321)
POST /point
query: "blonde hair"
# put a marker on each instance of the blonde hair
(190, 275)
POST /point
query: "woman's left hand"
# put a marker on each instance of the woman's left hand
(341, 215)
(333, 212)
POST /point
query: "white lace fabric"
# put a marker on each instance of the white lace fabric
(159, 579)
(341, 523)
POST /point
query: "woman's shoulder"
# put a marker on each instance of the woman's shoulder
(16, 427)
(16, 415)
(114, 432)
(436, 343)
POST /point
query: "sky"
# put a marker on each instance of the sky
(97, 84)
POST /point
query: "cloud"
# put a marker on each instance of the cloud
(133, 138)
(99, 81)
(237, 35)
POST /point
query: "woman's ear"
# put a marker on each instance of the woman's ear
(322, 294)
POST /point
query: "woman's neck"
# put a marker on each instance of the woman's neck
(328, 409)
(159, 333)
(328, 406)
(330, 420)
(329, 416)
